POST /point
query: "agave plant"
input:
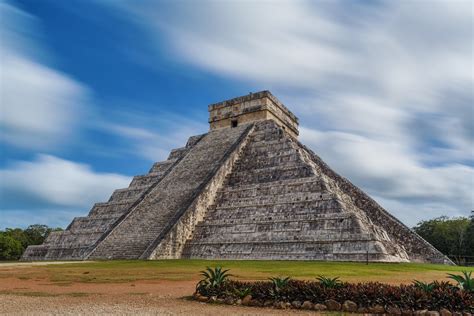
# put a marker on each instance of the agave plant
(427, 287)
(278, 285)
(241, 293)
(465, 281)
(329, 282)
(212, 279)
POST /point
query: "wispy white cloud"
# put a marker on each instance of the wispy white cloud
(384, 92)
(151, 137)
(40, 107)
(57, 181)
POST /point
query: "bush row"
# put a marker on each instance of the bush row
(436, 296)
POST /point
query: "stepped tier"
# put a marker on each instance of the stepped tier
(246, 190)
(149, 220)
(85, 233)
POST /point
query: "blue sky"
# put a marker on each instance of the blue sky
(93, 92)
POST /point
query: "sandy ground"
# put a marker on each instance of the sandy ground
(41, 297)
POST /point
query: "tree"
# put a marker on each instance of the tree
(13, 241)
(448, 235)
(470, 238)
(18, 234)
(37, 233)
(10, 248)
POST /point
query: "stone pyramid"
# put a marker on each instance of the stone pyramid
(245, 190)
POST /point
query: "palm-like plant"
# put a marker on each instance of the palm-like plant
(329, 282)
(279, 284)
(427, 287)
(241, 293)
(212, 278)
(465, 281)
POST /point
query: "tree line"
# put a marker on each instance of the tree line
(13, 241)
(454, 237)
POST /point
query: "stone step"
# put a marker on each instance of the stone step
(128, 193)
(178, 153)
(250, 203)
(306, 184)
(162, 166)
(270, 174)
(333, 249)
(273, 214)
(263, 162)
(146, 179)
(224, 218)
(110, 209)
(91, 224)
(266, 199)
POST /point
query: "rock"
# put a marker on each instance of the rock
(377, 309)
(255, 303)
(238, 302)
(220, 301)
(268, 303)
(349, 306)
(432, 313)
(393, 310)
(281, 305)
(421, 312)
(287, 305)
(457, 314)
(296, 304)
(466, 314)
(202, 298)
(246, 300)
(212, 299)
(445, 312)
(307, 305)
(320, 307)
(407, 312)
(229, 301)
(362, 310)
(333, 305)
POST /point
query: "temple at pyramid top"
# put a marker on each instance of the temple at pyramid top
(252, 107)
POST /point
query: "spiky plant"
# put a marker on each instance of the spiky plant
(279, 284)
(241, 293)
(213, 278)
(427, 287)
(465, 281)
(330, 283)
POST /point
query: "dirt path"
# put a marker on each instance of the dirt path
(39, 297)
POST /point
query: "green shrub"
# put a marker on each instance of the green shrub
(427, 287)
(465, 281)
(10, 248)
(406, 297)
(212, 279)
(279, 284)
(328, 282)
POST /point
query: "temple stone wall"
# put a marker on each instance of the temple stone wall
(254, 107)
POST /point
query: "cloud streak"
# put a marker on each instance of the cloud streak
(40, 106)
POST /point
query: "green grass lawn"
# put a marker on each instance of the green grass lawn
(130, 271)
